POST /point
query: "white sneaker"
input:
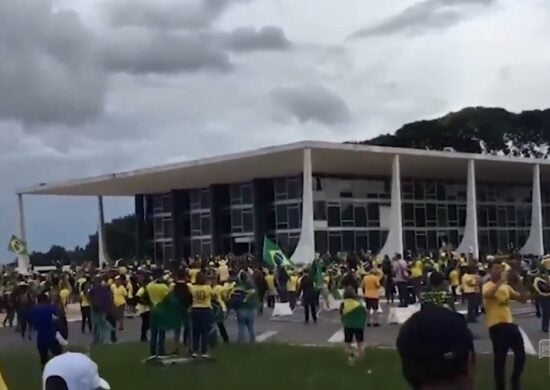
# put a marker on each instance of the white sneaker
(205, 356)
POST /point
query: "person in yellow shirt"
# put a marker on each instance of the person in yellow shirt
(417, 271)
(201, 310)
(504, 334)
(454, 279)
(85, 309)
(221, 309)
(292, 288)
(119, 299)
(143, 310)
(223, 271)
(64, 293)
(471, 283)
(371, 292)
(193, 273)
(271, 290)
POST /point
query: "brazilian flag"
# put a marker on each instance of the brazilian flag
(17, 246)
(354, 315)
(273, 255)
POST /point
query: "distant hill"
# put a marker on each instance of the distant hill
(477, 130)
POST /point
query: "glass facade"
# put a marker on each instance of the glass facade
(350, 214)
(433, 212)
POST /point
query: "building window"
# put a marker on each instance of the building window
(334, 216)
(248, 220)
(335, 242)
(319, 211)
(321, 244)
(205, 199)
(294, 216)
(360, 214)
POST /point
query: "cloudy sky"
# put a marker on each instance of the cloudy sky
(95, 86)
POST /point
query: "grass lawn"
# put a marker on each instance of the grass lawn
(265, 366)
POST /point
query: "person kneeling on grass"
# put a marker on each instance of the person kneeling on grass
(354, 317)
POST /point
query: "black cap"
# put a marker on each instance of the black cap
(434, 345)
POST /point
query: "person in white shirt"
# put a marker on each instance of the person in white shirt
(72, 371)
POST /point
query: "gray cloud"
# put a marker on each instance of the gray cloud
(421, 17)
(250, 39)
(182, 14)
(47, 68)
(312, 103)
(141, 51)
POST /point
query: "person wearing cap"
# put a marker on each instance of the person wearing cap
(436, 349)
(504, 334)
(72, 371)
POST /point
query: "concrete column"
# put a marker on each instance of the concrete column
(535, 244)
(305, 250)
(102, 247)
(394, 241)
(23, 260)
(140, 226)
(469, 243)
(177, 220)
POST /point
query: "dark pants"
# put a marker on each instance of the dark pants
(25, 326)
(545, 313)
(453, 292)
(44, 349)
(10, 315)
(471, 299)
(261, 298)
(200, 326)
(403, 293)
(283, 294)
(271, 301)
(144, 325)
(505, 337)
(389, 289)
(417, 286)
(223, 332)
(112, 322)
(157, 343)
(310, 307)
(86, 318)
(292, 297)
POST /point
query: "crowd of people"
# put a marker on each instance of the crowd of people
(193, 299)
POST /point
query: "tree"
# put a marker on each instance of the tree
(121, 243)
(477, 130)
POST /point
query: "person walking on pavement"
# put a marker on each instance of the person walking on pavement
(309, 295)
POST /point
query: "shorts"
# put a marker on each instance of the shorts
(119, 311)
(371, 303)
(351, 333)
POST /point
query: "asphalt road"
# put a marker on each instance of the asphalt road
(328, 331)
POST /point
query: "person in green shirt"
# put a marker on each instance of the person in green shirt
(245, 301)
(353, 316)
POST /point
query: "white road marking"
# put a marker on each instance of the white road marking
(266, 335)
(528, 345)
(337, 337)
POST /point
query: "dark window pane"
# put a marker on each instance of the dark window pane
(205, 248)
(247, 194)
(235, 193)
(335, 242)
(282, 240)
(205, 199)
(360, 216)
(432, 240)
(408, 212)
(453, 214)
(194, 199)
(348, 241)
(441, 193)
(373, 212)
(319, 211)
(321, 244)
(293, 189)
(205, 224)
(226, 222)
(248, 221)
(333, 216)
(421, 241)
(461, 216)
(430, 212)
(361, 240)
(271, 219)
(453, 238)
(167, 228)
(419, 190)
(420, 216)
(236, 217)
(195, 247)
(410, 243)
(501, 216)
(282, 213)
(442, 216)
(294, 217)
(280, 189)
(167, 204)
(493, 239)
(374, 240)
(347, 212)
(195, 222)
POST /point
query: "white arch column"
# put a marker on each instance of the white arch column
(23, 260)
(101, 243)
(394, 242)
(469, 243)
(305, 250)
(535, 244)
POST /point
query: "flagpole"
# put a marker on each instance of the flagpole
(23, 260)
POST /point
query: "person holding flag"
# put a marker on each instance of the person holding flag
(354, 317)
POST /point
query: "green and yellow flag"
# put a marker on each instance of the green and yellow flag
(273, 255)
(17, 246)
(354, 314)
